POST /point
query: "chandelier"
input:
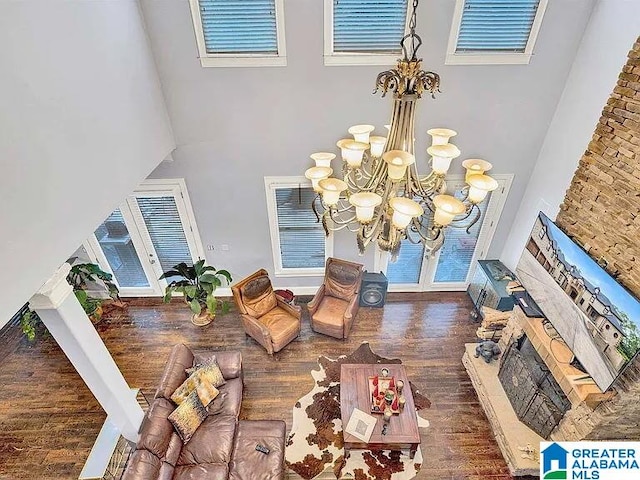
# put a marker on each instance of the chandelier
(382, 197)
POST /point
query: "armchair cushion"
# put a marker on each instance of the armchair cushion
(341, 281)
(280, 323)
(258, 296)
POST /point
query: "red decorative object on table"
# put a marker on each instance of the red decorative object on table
(378, 386)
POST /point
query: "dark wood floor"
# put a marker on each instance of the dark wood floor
(49, 419)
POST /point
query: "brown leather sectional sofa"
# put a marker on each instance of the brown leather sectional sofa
(221, 448)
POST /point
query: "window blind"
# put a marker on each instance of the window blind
(368, 26)
(302, 238)
(162, 219)
(496, 25)
(239, 26)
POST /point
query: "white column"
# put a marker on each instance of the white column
(65, 318)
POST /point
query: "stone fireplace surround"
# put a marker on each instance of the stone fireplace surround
(588, 405)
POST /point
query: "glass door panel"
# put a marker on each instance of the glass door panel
(458, 251)
(408, 267)
(115, 240)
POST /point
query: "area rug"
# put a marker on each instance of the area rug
(315, 445)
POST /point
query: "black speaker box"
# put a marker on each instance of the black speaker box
(373, 290)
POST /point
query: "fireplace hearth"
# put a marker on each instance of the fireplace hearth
(536, 397)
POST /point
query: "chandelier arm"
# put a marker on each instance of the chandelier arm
(474, 209)
(314, 208)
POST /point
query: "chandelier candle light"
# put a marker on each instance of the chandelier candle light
(382, 197)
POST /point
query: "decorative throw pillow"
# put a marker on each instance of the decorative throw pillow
(208, 373)
(209, 370)
(184, 390)
(207, 393)
(188, 416)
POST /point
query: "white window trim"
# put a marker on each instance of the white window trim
(332, 59)
(488, 58)
(239, 59)
(487, 232)
(271, 184)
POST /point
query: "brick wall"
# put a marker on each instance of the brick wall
(601, 211)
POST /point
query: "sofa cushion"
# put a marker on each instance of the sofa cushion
(173, 450)
(157, 430)
(211, 443)
(230, 363)
(258, 296)
(142, 465)
(207, 471)
(249, 464)
(174, 371)
(188, 416)
(230, 399)
(166, 471)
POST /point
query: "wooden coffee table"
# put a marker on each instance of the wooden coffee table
(402, 431)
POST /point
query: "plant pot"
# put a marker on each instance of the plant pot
(96, 316)
(202, 319)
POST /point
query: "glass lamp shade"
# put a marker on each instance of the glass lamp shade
(397, 163)
(442, 156)
(315, 174)
(342, 145)
(404, 210)
(353, 153)
(323, 159)
(441, 136)
(361, 132)
(475, 166)
(331, 190)
(447, 207)
(377, 145)
(365, 203)
(480, 186)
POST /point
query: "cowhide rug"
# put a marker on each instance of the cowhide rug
(315, 444)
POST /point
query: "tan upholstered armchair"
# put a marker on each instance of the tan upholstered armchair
(265, 317)
(335, 305)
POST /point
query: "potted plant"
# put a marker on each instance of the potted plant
(79, 277)
(198, 284)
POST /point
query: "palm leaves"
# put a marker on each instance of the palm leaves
(197, 283)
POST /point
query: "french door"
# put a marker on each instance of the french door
(453, 265)
(150, 232)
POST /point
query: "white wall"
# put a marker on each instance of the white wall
(610, 34)
(236, 125)
(82, 122)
